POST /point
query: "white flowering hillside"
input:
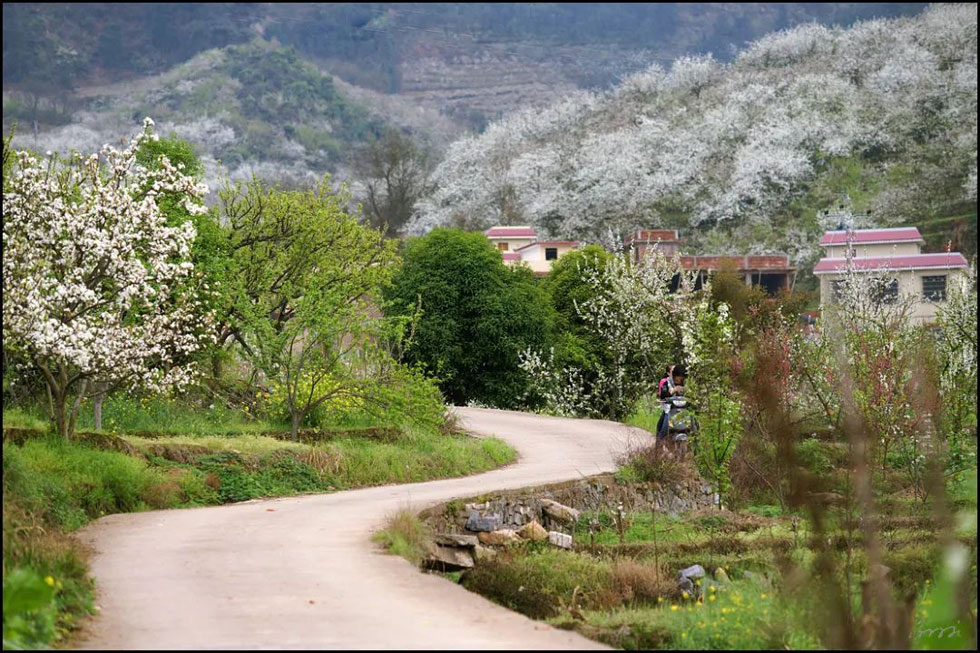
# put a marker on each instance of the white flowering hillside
(743, 154)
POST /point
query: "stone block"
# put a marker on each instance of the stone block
(498, 537)
(559, 512)
(448, 558)
(561, 540)
(453, 539)
(533, 531)
(480, 523)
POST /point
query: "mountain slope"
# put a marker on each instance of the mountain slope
(742, 155)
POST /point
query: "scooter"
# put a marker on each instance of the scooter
(681, 421)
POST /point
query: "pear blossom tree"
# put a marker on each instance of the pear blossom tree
(95, 278)
(632, 312)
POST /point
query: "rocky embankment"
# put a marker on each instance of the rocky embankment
(470, 530)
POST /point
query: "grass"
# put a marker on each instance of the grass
(744, 616)
(624, 592)
(405, 535)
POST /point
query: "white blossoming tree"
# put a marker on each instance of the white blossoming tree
(95, 280)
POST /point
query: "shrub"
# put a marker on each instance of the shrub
(662, 462)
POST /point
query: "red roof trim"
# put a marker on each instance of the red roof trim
(510, 232)
(511, 256)
(868, 236)
(947, 260)
(573, 243)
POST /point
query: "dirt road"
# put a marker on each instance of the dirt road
(302, 572)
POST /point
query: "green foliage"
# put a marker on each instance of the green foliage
(477, 314)
(28, 610)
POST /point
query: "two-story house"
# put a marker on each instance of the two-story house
(521, 245)
(895, 254)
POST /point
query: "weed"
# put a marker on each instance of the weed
(405, 535)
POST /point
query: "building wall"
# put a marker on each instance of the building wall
(512, 243)
(537, 253)
(881, 249)
(909, 282)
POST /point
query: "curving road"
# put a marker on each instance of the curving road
(302, 572)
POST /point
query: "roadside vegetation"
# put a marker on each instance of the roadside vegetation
(842, 460)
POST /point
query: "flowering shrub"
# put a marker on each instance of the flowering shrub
(95, 281)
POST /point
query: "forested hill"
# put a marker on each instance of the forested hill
(741, 156)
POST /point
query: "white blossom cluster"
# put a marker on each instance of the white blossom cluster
(633, 313)
(957, 317)
(94, 279)
(729, 143)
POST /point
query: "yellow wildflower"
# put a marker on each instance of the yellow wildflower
(712, 597)
(49, 580)
(673, 607)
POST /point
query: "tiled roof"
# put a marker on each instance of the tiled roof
(910, 262)
(867, 236)
(511, 232)
(743, 263)
(571, 243)
(511, 256)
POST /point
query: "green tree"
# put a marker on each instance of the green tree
(477, 314)
(305, 277)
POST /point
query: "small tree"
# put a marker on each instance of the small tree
(307, 277)
(94, 277)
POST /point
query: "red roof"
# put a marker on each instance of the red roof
(910, 262)
(743, 263)
(511, 256)
(867, 236)
(511, 232)
(653, 235)
(570, 243)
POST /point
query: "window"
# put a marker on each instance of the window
(885, 291)
(934, 288)
(550, 253)
(836, 287)
(503, 246)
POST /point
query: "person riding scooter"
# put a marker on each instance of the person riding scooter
(673, 387)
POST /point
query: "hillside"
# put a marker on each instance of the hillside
(741, 156)
(247, 108)
(471, 62)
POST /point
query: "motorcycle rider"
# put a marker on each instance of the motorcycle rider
(672, 386)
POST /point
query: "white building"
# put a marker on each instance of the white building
(520, 245)
(895, 254)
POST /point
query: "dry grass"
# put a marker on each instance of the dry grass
(636, 581)
(406, 535)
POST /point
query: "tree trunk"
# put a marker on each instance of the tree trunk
(97, 410)
(294, 427)
(60, 413)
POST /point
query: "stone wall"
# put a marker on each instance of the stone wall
(515, 508)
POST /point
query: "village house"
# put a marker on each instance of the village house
(520, 244)
(895, 254)
(772, 273)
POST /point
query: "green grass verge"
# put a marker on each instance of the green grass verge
(52, 487)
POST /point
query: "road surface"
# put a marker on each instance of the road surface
(302, 572)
